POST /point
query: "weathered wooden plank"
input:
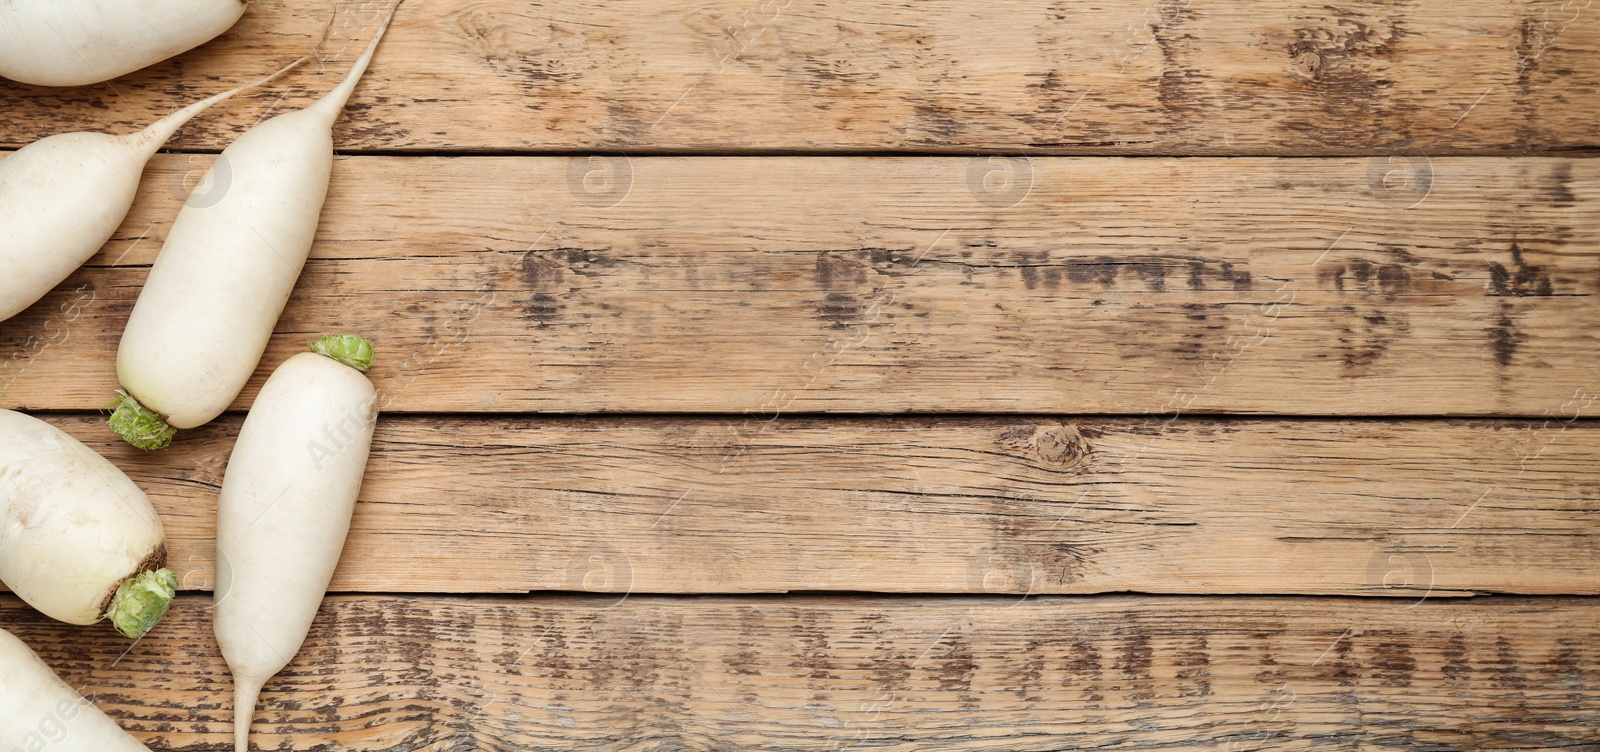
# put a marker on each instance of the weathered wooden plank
(1065, 76)
(939, 505)
(832, 674)
(1342, 286)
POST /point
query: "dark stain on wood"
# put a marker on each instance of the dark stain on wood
(1239, 279)
(1180, 80)
(550, 275)
(745, 660)
(544, 310)
(941, 124)
(1085, 664)
(1560, 192)
(844, 276)
(1520, 280)
(841, 311)
(1457, 660)
(1134, 654)
(1223, 271)
(954, 667)
(836, 271)
(1036, 657)
(1365, 337)
(1506, 669)
(1203, 330)
(1505, 336)
(1368, 330)
(1523, 95)
(1392, 662)
(1193, 663)
(1368, 277)
(815, 658)
(1101, 272)
(890, 663)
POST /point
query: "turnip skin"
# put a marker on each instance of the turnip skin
(62, 197)
(79, 42)
(287, 499)
(78, 540)
(39, 710)
(228, 267)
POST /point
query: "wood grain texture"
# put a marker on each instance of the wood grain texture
(1344, 286)
(814, 674)
(940, 505)
(1063, 76)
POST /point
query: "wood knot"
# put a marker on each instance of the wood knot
(1055, 446)
(1306, 65)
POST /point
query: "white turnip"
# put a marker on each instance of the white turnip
(285, 509)
(39, 711)
(78, 540)
(62, 197)
(77, 42)
(226, 271)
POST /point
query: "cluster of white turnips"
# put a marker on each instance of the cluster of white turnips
(79, 541)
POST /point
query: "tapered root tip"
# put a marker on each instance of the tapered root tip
(245, 694)
(141, 601)
(348, 349)
(137, 424)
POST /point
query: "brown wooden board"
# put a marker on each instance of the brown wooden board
(952, 505)
(1120, 673)
(1354, 358)
(1167, 287)
(1068, 76)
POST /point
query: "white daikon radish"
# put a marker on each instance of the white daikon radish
(38, 711)
(221, 280)
(287, 499)
(77, 42)
(78, 540)
(62, 197)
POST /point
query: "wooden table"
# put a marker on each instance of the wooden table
(948, 375)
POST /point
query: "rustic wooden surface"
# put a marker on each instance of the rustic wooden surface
(778, 285)
(1064, 76)
(1124, 673)
(947, 505)
(1387, 289)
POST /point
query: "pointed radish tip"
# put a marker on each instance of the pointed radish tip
(137, 424)
(348, 349)
(333, 103)
(245, 694)
(141, 601)
(158, 133)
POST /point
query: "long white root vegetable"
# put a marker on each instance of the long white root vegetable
(287, 499)
(78, 540)
(62, 197)
(38, 711)
(226, 271)
(77, 42)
